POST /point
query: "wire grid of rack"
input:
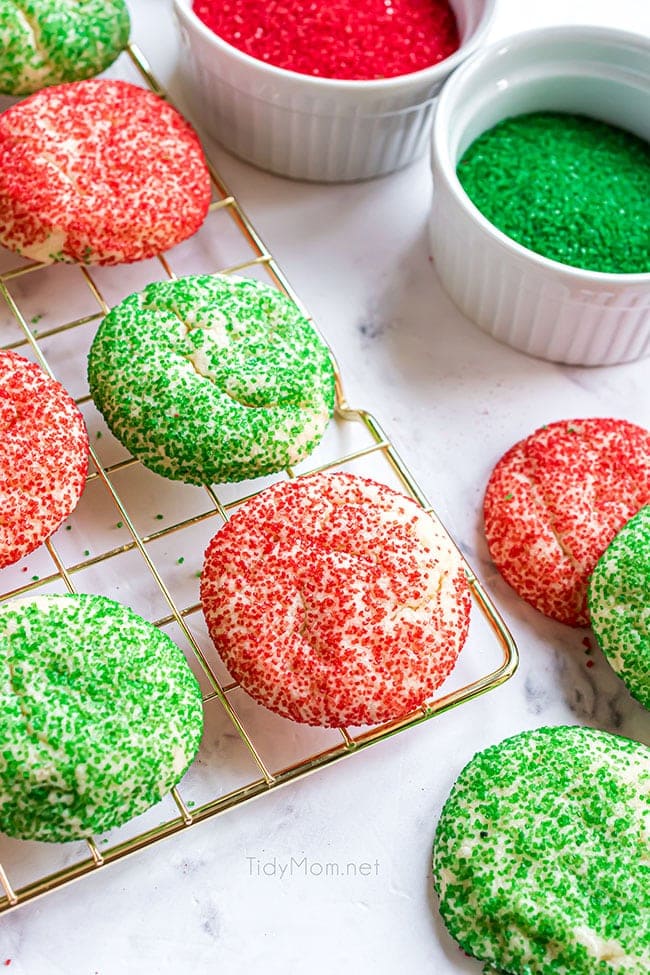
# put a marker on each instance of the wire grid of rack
(246, 750)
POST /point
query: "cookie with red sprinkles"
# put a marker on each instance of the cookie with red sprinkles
(98, 172)
(334, 600)
(556, 500)
(619, 605)
(43, 456)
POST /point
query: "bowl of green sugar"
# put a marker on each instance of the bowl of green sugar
(540, 223)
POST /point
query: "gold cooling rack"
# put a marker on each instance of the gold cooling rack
(140, 539)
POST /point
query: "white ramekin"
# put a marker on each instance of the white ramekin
(540, 306)
(316, 128)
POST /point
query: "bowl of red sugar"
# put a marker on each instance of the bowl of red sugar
(332, 91)
(540, 224)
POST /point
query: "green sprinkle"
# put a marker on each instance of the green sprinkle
(35, 578)
(159, 517)
(99, 434)
(191, 804)
(36, 319)
(68, 528)
(198, 575)
(181, 560)
(86, 551)
(509, 496)
(120, 524)
(568, 187)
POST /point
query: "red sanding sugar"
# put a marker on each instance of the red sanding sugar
(350, 39)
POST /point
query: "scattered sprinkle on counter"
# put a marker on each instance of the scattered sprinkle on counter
(568, 187)
(341, 39)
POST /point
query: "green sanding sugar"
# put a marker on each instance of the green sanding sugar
(568, 187)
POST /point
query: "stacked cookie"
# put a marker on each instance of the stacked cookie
(566, 520)
(540, 857)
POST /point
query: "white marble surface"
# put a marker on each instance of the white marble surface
(213, 898)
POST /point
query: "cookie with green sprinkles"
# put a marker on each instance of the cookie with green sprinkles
(212, 378)
(47, 42)
(100, 716)
(541, 855)
(619, 599)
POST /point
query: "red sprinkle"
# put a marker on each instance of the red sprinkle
(590, 663)
(344, 39)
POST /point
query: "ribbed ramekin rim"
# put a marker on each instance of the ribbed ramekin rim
(434, 73)
(441, 156)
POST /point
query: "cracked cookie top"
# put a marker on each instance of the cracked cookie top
(48, 42)
(334, 600)
(212, 378)
(555, 501)
(43, 456)
(98, 172)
